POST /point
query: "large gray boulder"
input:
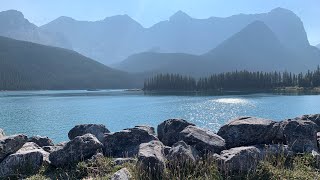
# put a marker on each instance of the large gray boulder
(126, 142)
(151, 158)
(122, 174)
(300, 135)
(27, 160)
(41, 141)
(2, 134)
(182, 153)
(246, 158)
(96, 129)
(79, 149)
(203, 140)
(168, 131)
(248, 131)
(11, 144)
(311, 117)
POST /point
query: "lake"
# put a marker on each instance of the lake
(54, 113)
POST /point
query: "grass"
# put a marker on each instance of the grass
(298, 167)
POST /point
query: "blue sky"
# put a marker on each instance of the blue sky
(149, 12)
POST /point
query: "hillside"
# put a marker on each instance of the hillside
(115, 38)
(150, 62)
(25, 65)
(14, 25)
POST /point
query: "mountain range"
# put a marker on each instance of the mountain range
(274, 41)
(115, 38)
(255, 48)
(26, 65)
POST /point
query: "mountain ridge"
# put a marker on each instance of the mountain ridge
(179, 34)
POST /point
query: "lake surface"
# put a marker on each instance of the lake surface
(54, 113)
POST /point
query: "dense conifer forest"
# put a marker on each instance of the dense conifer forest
(238, 80)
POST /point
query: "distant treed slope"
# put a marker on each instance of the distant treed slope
(14, 25)
(254, 48)
(163, 62)
(115, 38)
(25, 65)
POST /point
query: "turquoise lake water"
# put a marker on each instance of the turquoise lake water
(54, 113)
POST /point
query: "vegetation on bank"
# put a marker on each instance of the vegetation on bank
(238, 80)
(298, 167)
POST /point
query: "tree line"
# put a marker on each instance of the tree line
(236, 80)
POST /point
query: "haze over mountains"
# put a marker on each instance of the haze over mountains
(115, 38)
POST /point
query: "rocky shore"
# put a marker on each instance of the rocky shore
(237, 148)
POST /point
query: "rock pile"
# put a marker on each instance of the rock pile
(237, 147)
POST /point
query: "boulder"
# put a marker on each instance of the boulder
(300, 135)
(27, 160)
(203, 140)
(79, 149)
(41, 141)
(246, 158)
(122, 174)
(168, 131)
(248, 131)
(50, 149)
(151, 158)
(126, 142)
(312, 117)
(11, 144)
(56, 147)
(181, 152)
(96, 129)
(2, 134)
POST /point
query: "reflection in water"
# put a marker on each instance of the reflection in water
(231, 101)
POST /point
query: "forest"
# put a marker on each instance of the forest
(237, 80)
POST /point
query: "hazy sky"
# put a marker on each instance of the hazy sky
(149, 12)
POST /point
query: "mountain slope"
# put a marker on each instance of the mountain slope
(150, 62)
(25, 65)
(318, 46)
(114, 39)
(254, 48)
(14, 25)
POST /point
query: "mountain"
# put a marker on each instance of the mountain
(14, 25)
(25, 65)
(108, 41)
(318, 46)
(111, 40)
(255, 48)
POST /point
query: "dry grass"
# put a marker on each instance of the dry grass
(298, 167)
